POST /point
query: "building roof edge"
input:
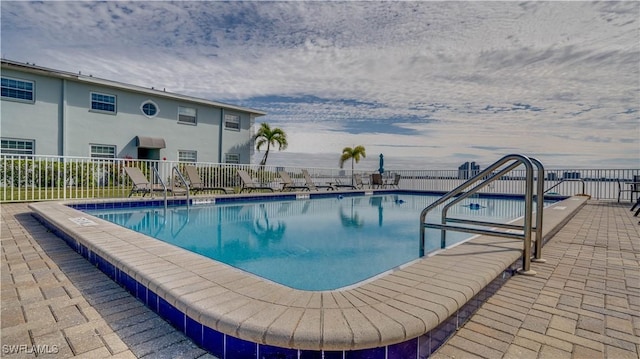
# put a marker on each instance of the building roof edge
(124, 86)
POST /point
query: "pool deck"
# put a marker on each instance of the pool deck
(584, 302)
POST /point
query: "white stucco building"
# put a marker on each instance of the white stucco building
(51, 112)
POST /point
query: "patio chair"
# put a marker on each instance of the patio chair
(196, 184)
(289, 185)
(637, 204)
(376, 180)
(395, 182)
(359, 184)
(634, 187)
(312, 185)
(249, 184)
(142, 185)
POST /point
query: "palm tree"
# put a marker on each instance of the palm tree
(271, 137)
(354, 154)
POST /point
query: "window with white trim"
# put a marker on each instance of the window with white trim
(232, 122)
(232, 158)
(17, 146)
(15, 89)
(149, 108)
(187, 156)
(187, 115)
(103, 151)
(103, 102)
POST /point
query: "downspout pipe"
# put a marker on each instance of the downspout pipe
(220, 135)
(62, 119)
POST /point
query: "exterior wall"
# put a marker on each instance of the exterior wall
(62, 122)
(237, 142)
(85, 127)
(37, 121)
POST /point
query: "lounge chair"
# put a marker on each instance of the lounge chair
(142, 185)
(357, 183)
(289, 185)
(196, 183)
(312, 185)
(249, 184)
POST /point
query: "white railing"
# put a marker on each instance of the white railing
(41, 178)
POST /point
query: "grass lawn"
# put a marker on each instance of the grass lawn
(13, 194)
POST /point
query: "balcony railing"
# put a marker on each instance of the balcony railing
(42, 178)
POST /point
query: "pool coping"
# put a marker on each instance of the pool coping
(396, 307)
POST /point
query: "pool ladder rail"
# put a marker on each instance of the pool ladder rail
(174, 170)
(568, 180)
(481, 180)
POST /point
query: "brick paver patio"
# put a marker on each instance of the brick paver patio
(584, 302)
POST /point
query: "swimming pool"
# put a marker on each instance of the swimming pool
(308, 244)
(405, 313)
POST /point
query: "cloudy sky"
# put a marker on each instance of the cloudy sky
(428, 84)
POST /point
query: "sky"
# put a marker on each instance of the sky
(428, 84)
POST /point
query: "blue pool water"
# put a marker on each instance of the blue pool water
(309, 244)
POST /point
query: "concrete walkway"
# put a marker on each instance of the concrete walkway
(56, 304)
(584, 302)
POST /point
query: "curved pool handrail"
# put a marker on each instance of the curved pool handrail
(568, 180)
(537, 256)
(488, 172)
(183, 180)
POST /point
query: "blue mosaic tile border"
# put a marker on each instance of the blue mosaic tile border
(126, 204)
(275, 197)
(228, 347)
(262, 198)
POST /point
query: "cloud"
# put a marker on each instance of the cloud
(434, 81)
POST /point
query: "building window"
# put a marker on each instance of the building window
(149, 108)
(103, 151)
(187, 156)
(187, 115)
(232, 158)
(232, 122)
(17, 89)
(18, 147)
(102, 102)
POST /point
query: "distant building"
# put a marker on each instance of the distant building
(468, 170)
(571, 175)
(51, 112)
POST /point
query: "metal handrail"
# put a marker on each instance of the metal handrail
(568, 180)
(490, 177)
(155, 172)
(184, 181)
(537, 256)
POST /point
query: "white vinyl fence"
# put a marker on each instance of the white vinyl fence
(40, 178)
